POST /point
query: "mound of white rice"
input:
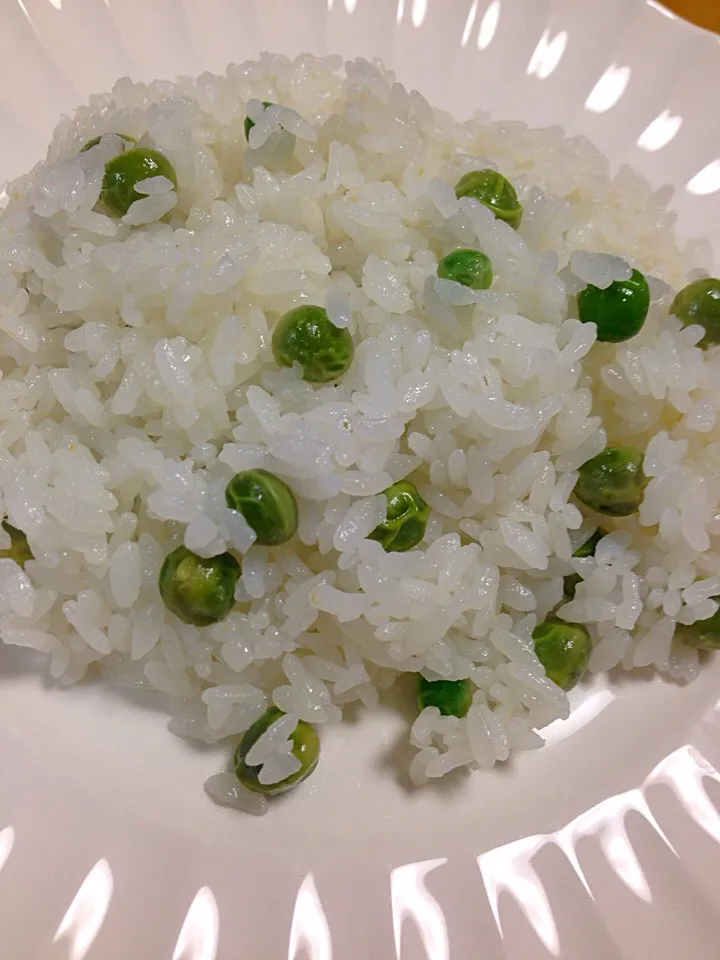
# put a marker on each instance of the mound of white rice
(137, 378)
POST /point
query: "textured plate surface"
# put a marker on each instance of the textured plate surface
(605, 845)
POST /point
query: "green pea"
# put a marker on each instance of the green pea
(699, 302)
(19, 551)
(703, 634)
(96, 140)
(305, 747)
(587, 549)
(127, 169)
(249, 124)
(613, 482)
(471, 268)
(494, 191)
(563, 649)
(266, 502)
(619, 311)
(570, 585)
(306, 336)
(451, 697)
(406, 520)
(198, 590)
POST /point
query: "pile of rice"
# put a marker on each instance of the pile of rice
(138, 377)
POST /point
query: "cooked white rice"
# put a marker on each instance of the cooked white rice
(138, 378)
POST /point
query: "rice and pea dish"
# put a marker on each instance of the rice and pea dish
(307, 386)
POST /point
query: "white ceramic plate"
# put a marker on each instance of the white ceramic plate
(602, 846)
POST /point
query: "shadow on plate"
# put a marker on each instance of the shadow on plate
(618, 677)
(18, 662)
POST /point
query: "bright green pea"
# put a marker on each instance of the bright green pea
(305, 747)
(563, 649)
(249, 124)
(613, 482)
(307, 336)
(471, 268)
(125, 170)
(406, 520)
(96, 140)
(494, 191)
(266, 502)
(699, 302)
(451, 697)
(587, 549)
(19, 551)
(198, 590)
(619, 311)
(703, 634)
